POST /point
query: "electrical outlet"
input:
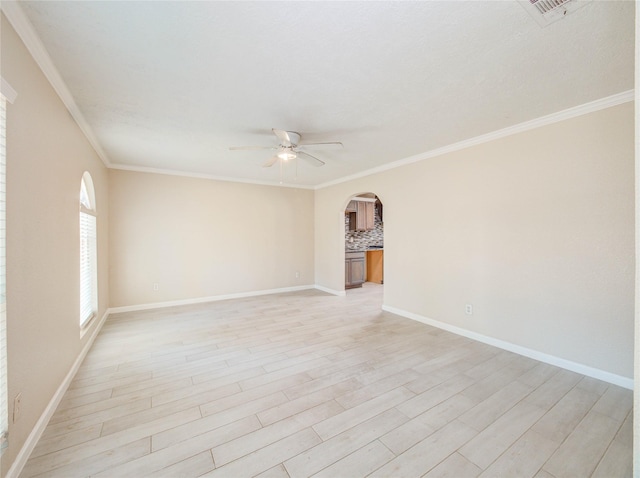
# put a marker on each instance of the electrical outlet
(297, 275)
(156, 286)
(17, 407)
(468, 309)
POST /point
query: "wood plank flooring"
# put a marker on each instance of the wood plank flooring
(309, 384)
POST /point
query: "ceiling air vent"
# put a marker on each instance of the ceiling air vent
(548, 11)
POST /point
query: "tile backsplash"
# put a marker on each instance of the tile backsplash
(362, 240)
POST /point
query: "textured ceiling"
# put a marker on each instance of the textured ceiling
(171, 85)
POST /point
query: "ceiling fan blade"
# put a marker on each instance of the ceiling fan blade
(313, 146)
(283, 136)
(270, 162)
(314, 161)
(250, 148)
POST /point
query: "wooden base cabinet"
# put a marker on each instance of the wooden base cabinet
(354, 270)
(375, 266)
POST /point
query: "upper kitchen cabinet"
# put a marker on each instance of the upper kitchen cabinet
(363, 218)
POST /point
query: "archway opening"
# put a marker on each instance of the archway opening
(364, 241)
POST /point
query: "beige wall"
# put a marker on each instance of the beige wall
(200, 238)
(535, 230)
(46, 157)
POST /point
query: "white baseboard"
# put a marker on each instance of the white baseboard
(340, 293)
(619, 380)
(37, 431)
(200, 300)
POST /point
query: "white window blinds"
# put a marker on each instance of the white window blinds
(88, 252)
(87, 266)
(4, 406)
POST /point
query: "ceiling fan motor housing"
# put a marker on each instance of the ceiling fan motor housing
(294, 139)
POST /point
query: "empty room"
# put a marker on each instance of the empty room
(318, 238)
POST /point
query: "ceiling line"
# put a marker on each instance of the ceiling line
(187, 174)
(592, 106)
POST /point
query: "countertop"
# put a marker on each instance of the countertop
(365, 250)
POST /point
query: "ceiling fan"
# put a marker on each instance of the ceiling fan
(289, 148)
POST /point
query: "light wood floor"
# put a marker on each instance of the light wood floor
(308, 384)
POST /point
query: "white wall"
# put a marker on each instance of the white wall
(200, 238)
(535, 230)
(46, 156)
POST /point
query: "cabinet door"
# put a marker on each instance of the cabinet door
(365, 216)
(370, 214)
(375, 267)
(354, 269)
(358, 271)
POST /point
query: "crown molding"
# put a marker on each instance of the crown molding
(597, 105)
(186, 174)
(31, 40)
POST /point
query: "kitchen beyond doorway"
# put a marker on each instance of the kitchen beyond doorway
(364, 240)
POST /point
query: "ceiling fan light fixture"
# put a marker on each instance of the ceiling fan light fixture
(290, 149)
(286, 155)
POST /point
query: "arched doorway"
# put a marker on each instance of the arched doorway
(364, 241)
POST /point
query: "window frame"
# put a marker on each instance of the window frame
(88, 290)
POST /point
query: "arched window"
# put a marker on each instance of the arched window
(88, 251)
